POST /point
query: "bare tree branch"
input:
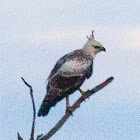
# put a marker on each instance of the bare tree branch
(74, 107)
(34, 109)
(19, 137)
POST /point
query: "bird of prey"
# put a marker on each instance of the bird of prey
(69, 73)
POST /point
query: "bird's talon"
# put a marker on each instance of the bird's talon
(83, 94)
(85, 97)
(69, 110)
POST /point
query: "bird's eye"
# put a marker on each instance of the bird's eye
(96, 47)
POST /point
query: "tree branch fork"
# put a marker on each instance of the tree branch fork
(66, 116)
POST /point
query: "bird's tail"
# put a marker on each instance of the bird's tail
(45, 107)
(49, 101)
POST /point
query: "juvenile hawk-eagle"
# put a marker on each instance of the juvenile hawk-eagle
(69, 73)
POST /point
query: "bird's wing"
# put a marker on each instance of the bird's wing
(76, 63)
(59, 63)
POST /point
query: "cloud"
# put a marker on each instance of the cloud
(42, 21)
(121, 37)
(129, 37)
(53, 35)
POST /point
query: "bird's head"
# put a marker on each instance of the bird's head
(93, 45)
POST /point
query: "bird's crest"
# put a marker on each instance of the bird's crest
(91, 36)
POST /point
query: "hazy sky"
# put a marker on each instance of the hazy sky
(35, 34)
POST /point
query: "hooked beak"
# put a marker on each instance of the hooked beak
(103, 49)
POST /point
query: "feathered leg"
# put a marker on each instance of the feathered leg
(67, 102)
(68, 107)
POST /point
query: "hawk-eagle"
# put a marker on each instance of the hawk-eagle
(69, 73)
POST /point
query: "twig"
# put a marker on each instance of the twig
(19, 137)
(74, 107)
(34, 109)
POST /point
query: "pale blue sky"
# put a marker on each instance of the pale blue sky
(35, 34)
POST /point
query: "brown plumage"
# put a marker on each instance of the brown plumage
(69, 73)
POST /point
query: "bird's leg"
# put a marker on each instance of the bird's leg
(83, 93)
(68, 107)
(67, 101)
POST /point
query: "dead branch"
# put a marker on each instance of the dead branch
(19, 137)
(34, 111)
(76, 105)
